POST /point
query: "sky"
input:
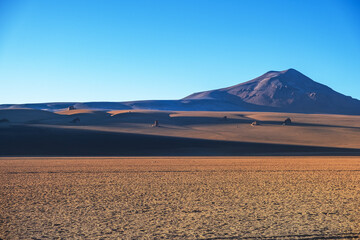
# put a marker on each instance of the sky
(92, 50)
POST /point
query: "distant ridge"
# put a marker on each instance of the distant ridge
(278, 91)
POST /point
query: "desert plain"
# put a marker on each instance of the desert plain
(180, 197)
(199, 175)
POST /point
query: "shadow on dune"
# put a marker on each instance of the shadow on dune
(167, 118)
(44, 141)
(299, 124)
(190, 120)
(141, 117)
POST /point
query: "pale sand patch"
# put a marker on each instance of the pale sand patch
(78, 111)
(180, 197)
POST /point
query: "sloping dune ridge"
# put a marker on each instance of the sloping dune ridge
(38, 132)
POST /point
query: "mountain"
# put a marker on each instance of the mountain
(283, 91)
(277, 91)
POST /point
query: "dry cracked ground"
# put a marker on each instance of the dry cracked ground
(180, 198)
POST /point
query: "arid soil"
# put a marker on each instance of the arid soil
(180, 198)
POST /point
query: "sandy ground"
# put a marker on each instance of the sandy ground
(129, 133)
(180, 198)
(342, 131)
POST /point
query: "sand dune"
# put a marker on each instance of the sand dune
(78, 111)
(312, 130)
(28, 115)
(145, 116)
(86, 116)
(55, 141)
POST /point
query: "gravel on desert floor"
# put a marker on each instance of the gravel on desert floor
(180, 197)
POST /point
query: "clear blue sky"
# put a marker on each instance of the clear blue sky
(73, 50)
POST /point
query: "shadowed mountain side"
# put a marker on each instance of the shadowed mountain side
(42, 141)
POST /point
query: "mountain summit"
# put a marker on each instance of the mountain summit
(286, 91)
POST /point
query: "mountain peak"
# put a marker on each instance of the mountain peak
(283, 71)
(288, 90)
(287, 77)
(287, 71)
(291, 70)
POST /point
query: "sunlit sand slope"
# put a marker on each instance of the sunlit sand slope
(179, 133)
(307, 129)
(50, 141)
